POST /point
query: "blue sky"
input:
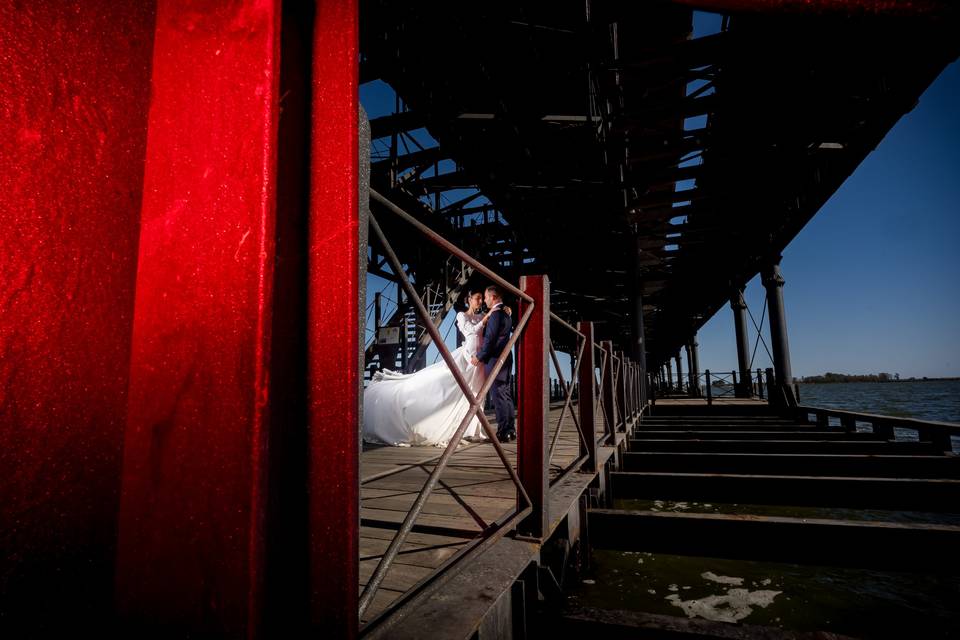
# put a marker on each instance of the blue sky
(873, 281)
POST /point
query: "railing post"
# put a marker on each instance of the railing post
(622, 391)
(709, 387)
(636, 388)
(587, 388)
(609, 411)
(848, 423)
(770, 388)
(533, 447)
(884, 429)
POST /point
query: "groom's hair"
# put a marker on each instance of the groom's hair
(495, 292)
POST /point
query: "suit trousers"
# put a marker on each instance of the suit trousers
(503, 404)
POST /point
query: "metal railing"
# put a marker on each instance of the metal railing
(726, 383)
(615, 374)
(888, 427)
(476, 399)
(568, 391)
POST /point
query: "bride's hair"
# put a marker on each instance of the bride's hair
(467, 296)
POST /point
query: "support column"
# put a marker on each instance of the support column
(669, 375)
(693, 350)
(533, 383)
(739, 307)
(679, 373)
(587, 389)
(239, 512)
(638, 350)
(773, 282)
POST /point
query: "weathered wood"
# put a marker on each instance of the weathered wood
(400, 577)
(371, 549)
(479, 506)
(381, 601)
(475, 482)
(880, 545)
(457, 611)
(614, 624)
(787, 446)
(430, 522)
(863, 493)
(788, 433)
(424, 539)
(796, 464)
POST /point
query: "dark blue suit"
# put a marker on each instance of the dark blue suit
(495, 337)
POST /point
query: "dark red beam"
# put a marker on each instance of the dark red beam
(191, 547)
(335, 332)
(74, 97)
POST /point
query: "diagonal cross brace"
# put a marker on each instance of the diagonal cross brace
(369, 591)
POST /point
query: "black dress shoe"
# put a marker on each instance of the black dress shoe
(509, 436)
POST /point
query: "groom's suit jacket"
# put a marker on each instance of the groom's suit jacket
(495, 337)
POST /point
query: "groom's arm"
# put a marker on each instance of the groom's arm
(490, 336)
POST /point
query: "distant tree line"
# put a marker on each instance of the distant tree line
(843, 377)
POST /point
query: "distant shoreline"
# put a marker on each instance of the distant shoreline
(877, 381)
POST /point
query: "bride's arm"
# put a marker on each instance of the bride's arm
(466, 327)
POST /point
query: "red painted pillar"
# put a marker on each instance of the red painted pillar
(337, 264)
(74, 94)
(533, 447)
(191, 547)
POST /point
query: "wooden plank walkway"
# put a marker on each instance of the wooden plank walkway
(473, 491)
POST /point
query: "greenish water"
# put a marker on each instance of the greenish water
(929, 400)
(854, 602)
(860, 603)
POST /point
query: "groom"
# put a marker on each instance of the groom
(495, 337)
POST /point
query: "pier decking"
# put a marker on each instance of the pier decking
(474, 490)
(764, 486)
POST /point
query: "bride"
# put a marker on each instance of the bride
(426, 407)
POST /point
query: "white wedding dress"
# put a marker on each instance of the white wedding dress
(425, 407)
